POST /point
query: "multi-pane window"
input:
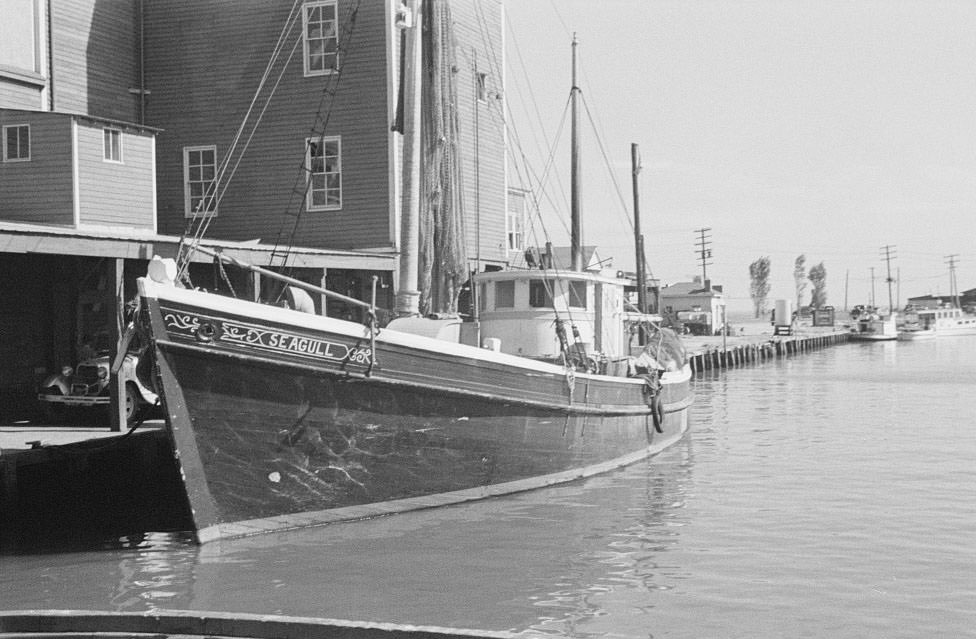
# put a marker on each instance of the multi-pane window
(321, 39)
(323, 159)
(199, 180)
(16, 143)
(113, 145)
(516, 220)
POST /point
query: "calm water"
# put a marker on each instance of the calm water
(829, 495)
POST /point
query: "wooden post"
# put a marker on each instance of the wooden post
(324, 284)
(116, 311)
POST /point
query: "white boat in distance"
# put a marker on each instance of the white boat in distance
(874, 327)
(927, 323)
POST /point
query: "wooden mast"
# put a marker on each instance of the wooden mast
(408, 294)
(576, 248)
(638, 238)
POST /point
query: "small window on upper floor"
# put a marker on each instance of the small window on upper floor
(113, 145)
(320, 39)
(199, 180)
(481, 82)
(323, 159)
(16, 143)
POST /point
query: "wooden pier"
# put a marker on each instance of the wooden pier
(716, 354)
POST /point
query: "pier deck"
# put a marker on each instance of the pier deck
(756, 342)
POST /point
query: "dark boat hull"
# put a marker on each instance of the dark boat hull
(281, 425)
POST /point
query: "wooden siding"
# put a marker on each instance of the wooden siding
(112, 193)
(205, 59)
(19, 95)
(39, 191)
(95, 57)
(478, 32)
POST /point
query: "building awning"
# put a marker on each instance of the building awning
(142, 244)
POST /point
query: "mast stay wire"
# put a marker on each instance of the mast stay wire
(202, 220)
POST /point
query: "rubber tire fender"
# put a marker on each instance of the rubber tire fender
(657, 412)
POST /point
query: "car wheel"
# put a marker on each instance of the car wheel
(133, 403)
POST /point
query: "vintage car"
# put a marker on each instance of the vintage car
(87, 386)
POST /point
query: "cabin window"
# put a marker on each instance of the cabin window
(112, 145)
(577, 294)
(505, 294)
(199, 180)
(540, 294)
(321, 39)
(323, 159)
(16, 143)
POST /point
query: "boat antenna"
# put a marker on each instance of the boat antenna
(576, 230)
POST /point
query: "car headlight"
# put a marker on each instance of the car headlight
(66, 371)
(102, 373)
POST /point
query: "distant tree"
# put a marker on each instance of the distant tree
(759, 284)
(800, 278)
(818, 277)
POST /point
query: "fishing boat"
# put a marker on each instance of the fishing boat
(873, 326)
(945, 321)
(281, 418)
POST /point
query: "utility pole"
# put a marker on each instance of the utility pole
(953, 291)
(704, 252)
(888, 256)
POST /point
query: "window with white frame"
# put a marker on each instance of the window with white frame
(112, 145)
(199, 180)
(320, 37)
(324, 162)
(16, 143)
(516, 220)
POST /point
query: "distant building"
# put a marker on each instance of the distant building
(693, 303)
(967, 299)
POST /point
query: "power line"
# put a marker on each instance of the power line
(703, 251)
(953, 289)
(888, 256)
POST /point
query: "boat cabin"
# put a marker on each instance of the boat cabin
(518, 310)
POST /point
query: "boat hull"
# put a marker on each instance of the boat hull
(280, 425)
(869, 337)
(916, 335)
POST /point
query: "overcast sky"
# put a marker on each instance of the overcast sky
(827, 128)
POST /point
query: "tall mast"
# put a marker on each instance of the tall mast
(576, 249)
(408, 295)
(638, 239)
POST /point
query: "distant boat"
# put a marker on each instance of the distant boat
(946, 321)
(873, 327)
(282, 419)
